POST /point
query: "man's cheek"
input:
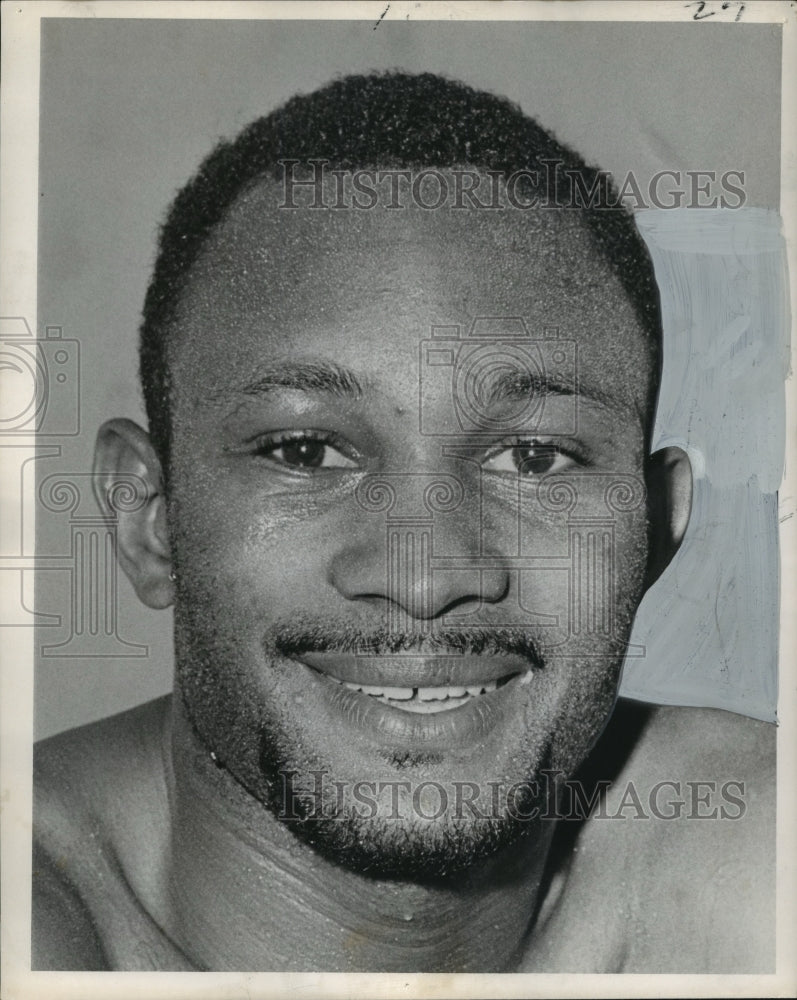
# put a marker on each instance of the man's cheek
(248, 581)
(585, 700)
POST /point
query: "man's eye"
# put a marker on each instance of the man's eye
(304, 452)
(527, 458)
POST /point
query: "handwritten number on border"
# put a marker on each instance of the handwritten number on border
(705, 9)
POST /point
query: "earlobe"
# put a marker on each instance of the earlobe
(668, 478)
(128, 484)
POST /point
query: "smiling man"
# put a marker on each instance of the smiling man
(400, 355)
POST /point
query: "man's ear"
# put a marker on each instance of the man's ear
(668, 479)
(125, 463)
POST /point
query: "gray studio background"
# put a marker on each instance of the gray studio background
(129, 107)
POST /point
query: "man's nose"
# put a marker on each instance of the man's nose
(418, 550)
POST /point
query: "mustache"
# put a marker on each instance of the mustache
(295, 638)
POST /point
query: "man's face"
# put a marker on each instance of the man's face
(351, 508)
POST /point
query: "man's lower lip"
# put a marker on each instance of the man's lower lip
(462, 726)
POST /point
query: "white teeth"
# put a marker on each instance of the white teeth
(425, 695)
(428, 699)
(525, 678)
(432, 694)
(440, 693)
(484, 688)
(394, 694)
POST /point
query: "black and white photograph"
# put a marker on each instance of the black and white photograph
(398, 443)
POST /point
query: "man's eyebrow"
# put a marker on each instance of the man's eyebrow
(305, 376)
(507, 386)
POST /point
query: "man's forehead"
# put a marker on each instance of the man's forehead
(272, 277)
(265, 222)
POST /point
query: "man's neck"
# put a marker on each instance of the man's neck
(246, 894)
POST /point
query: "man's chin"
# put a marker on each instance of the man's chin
(405, 826)
(417, 850)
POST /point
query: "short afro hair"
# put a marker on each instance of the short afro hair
(377, 121)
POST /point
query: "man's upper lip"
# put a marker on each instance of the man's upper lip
(416, 669)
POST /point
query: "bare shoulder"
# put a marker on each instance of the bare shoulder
(690, 823)
(99, 809)
(709, 738)
(80, 774)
